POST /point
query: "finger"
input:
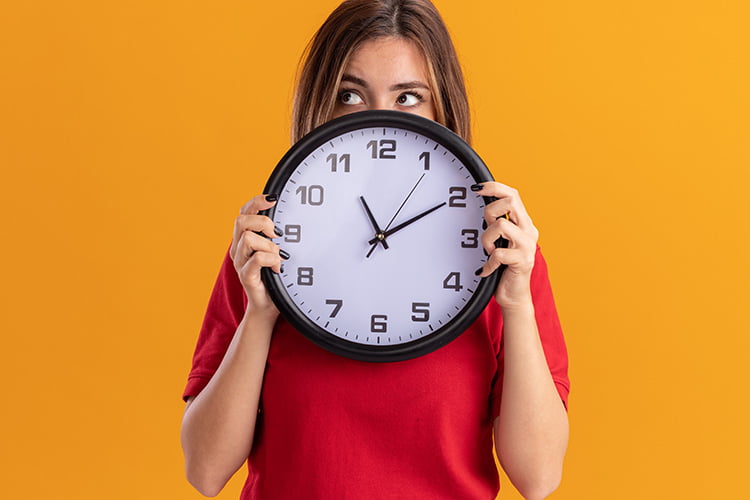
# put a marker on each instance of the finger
(503, 228)
(249, 272)
(511, 201)
(514, 258)
(255, 223)
(258, 203)
(498, 208)
(248, 244)
(494, 188)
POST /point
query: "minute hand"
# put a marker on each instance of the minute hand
(404, 224)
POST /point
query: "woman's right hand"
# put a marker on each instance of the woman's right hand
(252, 249)
(219, 427)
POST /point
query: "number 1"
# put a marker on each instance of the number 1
(426, 158)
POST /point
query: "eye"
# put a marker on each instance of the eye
(349, 97)
(409, 99)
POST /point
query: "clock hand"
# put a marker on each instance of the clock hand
(404, 224)
(378, 232)
(404, 203)
(377, 238)
(380, 236)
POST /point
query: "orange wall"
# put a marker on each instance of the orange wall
(131, 133)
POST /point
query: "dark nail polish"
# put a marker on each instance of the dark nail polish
(277, 232)
(284, 254)
(478, 271)
(272, 197)
(281, 270)
(477, 187)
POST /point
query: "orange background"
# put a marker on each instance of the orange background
(131, 133)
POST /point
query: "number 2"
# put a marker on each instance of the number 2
(458, 200)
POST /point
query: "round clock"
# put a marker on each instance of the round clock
(384, 236)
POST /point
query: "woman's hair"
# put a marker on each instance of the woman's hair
(356, 21)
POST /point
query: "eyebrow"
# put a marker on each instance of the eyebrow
(416, 84)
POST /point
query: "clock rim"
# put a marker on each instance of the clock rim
(277, 291)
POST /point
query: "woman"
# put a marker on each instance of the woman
(315, 425)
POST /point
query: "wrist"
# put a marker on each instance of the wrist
(517, 304)
(259, 306)
(264, 318)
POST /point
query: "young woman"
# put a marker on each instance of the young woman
(314, 425)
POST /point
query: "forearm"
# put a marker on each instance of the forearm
(531, 432)
(218, 425)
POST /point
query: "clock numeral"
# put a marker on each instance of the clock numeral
(472, 238)
(458, 200)
(386, 151)
(305, 276)
(425, 157)
(337, 305)
(421, 311)
(335, 160)
(453, 282)
(313, 195)
(379, 323)
(292, 233)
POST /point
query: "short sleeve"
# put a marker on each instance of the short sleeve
(224, 313)
(550, 333)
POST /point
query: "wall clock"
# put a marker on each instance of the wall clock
(383, 232)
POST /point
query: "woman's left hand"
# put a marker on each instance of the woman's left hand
(507, 218)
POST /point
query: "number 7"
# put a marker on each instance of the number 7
(337, 305)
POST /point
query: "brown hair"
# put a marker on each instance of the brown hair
(356, 21)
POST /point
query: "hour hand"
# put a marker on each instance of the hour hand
(379, 234)
(404, 224)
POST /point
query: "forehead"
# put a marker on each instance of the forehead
(388, 58)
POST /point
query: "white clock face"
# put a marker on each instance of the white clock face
(384, 232)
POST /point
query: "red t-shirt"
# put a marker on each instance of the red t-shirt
(335, 428)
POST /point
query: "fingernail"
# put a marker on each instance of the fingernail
(477, 187)
(272, 197)
(277, 232)
(281, 270)
(284, 254)
(478, 271)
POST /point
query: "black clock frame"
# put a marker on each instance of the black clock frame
(278, 292)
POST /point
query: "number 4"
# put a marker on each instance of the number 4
(453, 282)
